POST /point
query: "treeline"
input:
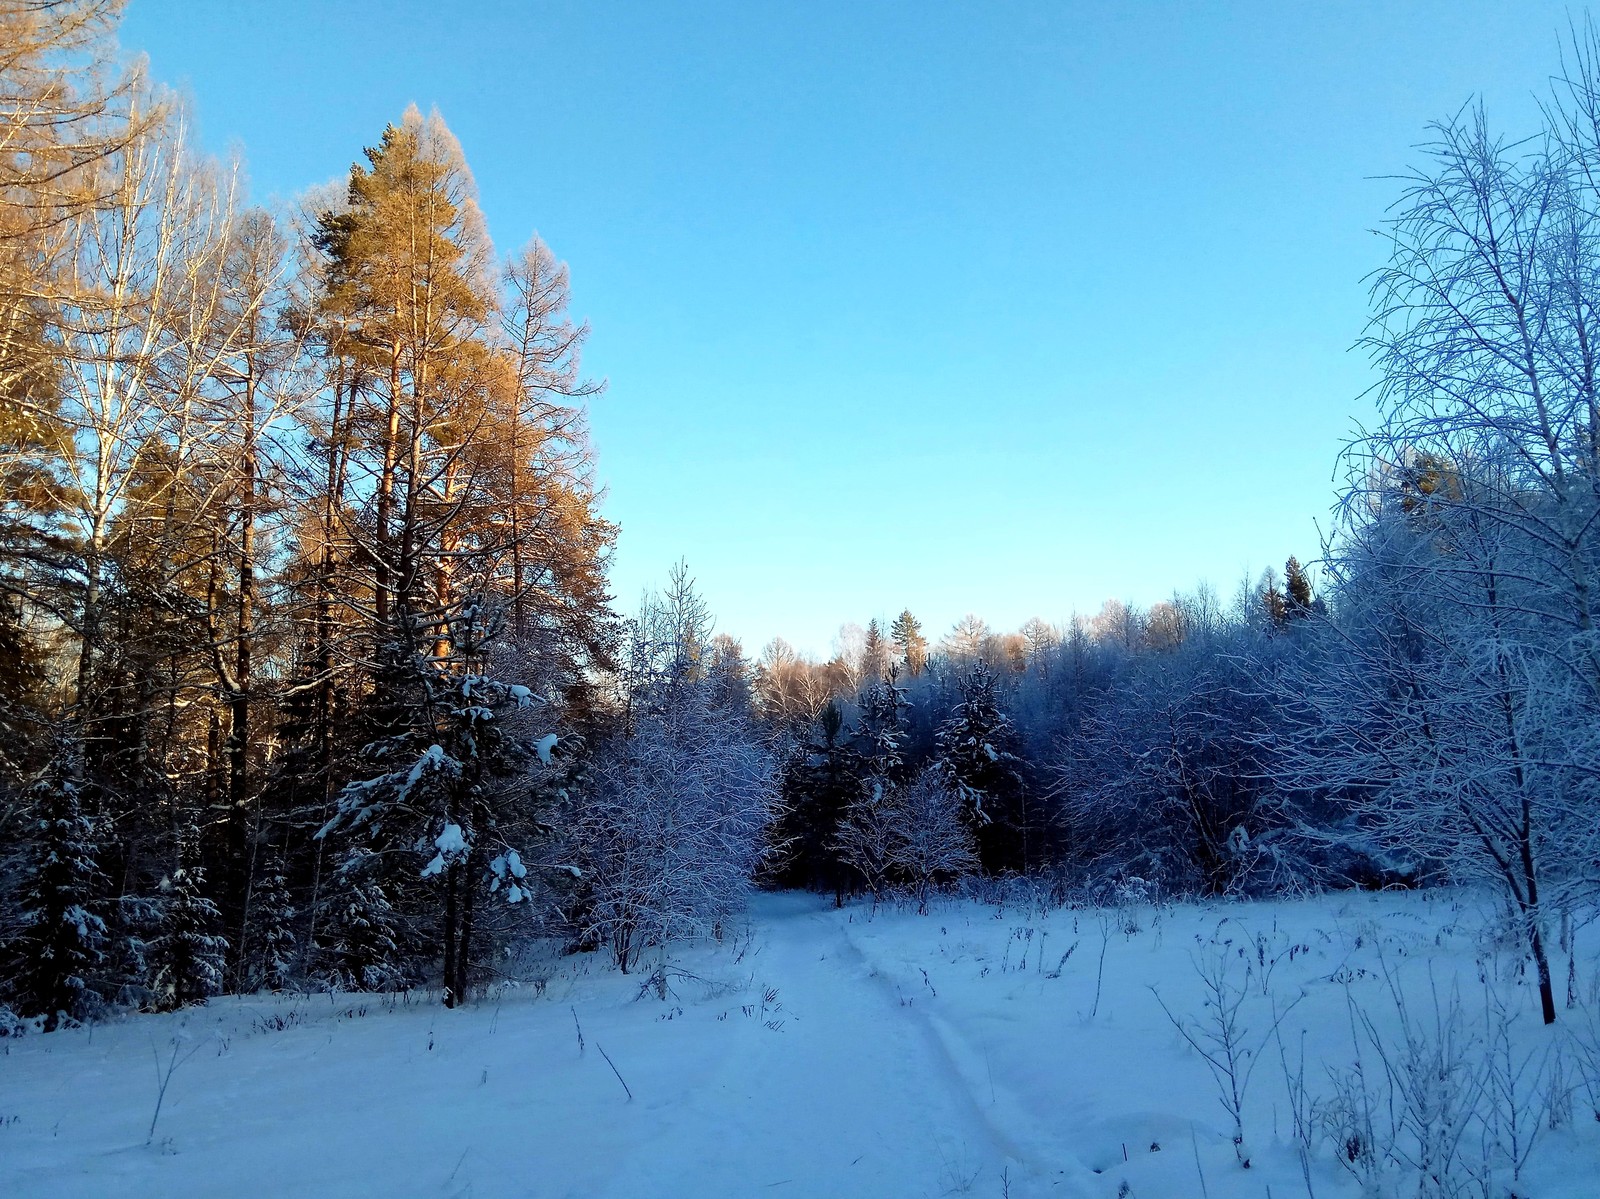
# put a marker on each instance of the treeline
(1128, 746)
(309, 675)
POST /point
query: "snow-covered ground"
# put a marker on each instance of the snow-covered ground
(983, 1050)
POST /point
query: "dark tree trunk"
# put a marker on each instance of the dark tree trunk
(464, 949)
(451, 875)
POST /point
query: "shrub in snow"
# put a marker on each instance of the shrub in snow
(674, 827)
(677, 814)
(1221, 1033)
(913, 834)
(11, 1024)
(931, 842)
(1169, 765)
(867, 836)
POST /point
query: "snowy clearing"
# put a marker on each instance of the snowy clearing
(976, 1050)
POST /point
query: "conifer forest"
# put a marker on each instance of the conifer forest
(317, 698)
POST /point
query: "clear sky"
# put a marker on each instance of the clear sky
(994, 307)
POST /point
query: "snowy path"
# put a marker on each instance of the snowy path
(852, 1087)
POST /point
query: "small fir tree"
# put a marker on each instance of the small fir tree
(62, 938)
(275, 915)
(880, 727)
(364, 943)
(978, 765)
(186, 955)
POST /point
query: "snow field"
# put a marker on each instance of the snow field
(981, 1049)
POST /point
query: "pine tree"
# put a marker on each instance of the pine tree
(62, 939)
(186, 955)
(906, 632)
(977, 762)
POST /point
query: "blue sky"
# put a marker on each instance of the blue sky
(993, 307)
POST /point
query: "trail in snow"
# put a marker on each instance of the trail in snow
(853, 1093)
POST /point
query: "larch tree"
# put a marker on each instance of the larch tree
(464, 537)
(406, 287)
(63, 114)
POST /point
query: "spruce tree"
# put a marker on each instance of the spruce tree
(820, 781)
(977, 762)
(870, 823)
(275, 915)
(62, 939)
(874, 652)
(186, 954)
(880, 728)
(364, 939)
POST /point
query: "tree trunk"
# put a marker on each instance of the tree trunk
(451, 873)
(464, 948)
(1533, 918)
